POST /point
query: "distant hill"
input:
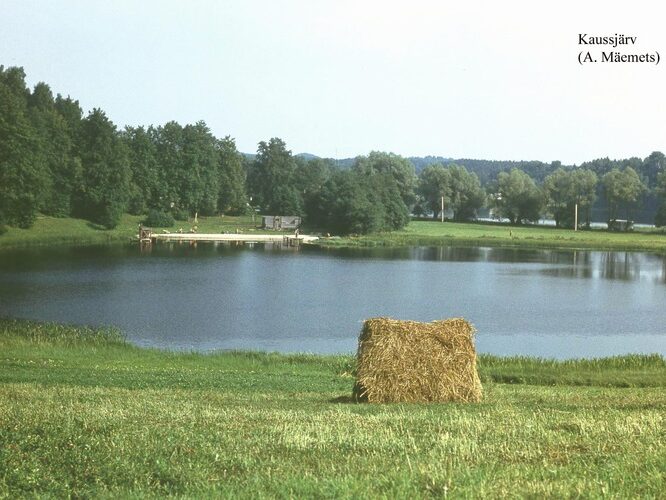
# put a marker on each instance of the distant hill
(486, 170)
(421, 162)
(307, 156)
(343, 163)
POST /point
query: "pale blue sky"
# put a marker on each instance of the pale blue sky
(488, 80)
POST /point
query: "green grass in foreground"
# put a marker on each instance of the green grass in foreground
(84, 414)
(437, 233)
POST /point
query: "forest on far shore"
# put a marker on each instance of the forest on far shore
(56, 161)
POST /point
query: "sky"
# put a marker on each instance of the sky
(475, 79)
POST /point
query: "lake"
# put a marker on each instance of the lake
(555, 304)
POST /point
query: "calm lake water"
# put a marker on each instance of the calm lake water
(559, 304)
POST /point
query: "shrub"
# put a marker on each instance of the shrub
(157, 218)
(180, 214)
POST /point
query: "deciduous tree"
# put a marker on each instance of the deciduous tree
(22, 171)
(145, 191)
(353, 202)
(564, 189)
(106, 172)
(399, 168)
(435, 183)
(231, 176)
(271, 179)
(56, 152)
(623, 188)
(467, 196)
(519, 198)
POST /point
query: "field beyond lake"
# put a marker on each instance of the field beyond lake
(83, 413)
(69, 231)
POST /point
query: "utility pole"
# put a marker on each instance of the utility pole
(576, 217)
(442, 209)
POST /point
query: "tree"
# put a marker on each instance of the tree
(383, 191)
(564, 189)
(271, 179)
(72, 114)
(467, 196)
(231, 176)
(188, 177)
(352, 202)
(106, 173)
(199, 186)
(652, 166)
(22, 172)
(168, 141)
(189, 174)
(435, 183)
(660, 217)
(519, 199)
(56, 152)
(401, 169)
(623, 189)
(460, 189)
(310, 175)
(558, 189)
(145, 191)
(343, 206)
(584, 191)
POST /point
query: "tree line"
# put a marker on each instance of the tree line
(56, 161)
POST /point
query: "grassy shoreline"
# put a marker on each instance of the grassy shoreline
(67, 231)
(432, 233)
(82, 413)
(49, 231)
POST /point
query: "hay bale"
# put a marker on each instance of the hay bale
(408, 361)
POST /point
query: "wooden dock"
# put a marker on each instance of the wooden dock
(288, 239)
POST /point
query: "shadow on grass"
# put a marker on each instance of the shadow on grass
(96, 227)
(345, 400)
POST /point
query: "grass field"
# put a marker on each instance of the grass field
(55, 231)
(478, 234)
(50, 231)
(84, 414)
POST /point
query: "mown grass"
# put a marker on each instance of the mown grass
(82, 413)
(52, 231)
(69, 231)
(429, 233)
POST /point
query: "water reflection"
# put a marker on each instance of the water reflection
(620, 266)
(624, 266)
(575, 264)
(578, 265)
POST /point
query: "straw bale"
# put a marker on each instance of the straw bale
(409, 361)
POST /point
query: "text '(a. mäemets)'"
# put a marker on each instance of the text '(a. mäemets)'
(596, 50)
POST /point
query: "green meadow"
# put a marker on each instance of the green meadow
(84, 414)
(49, 231)
(52, 231)
(427, 233)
